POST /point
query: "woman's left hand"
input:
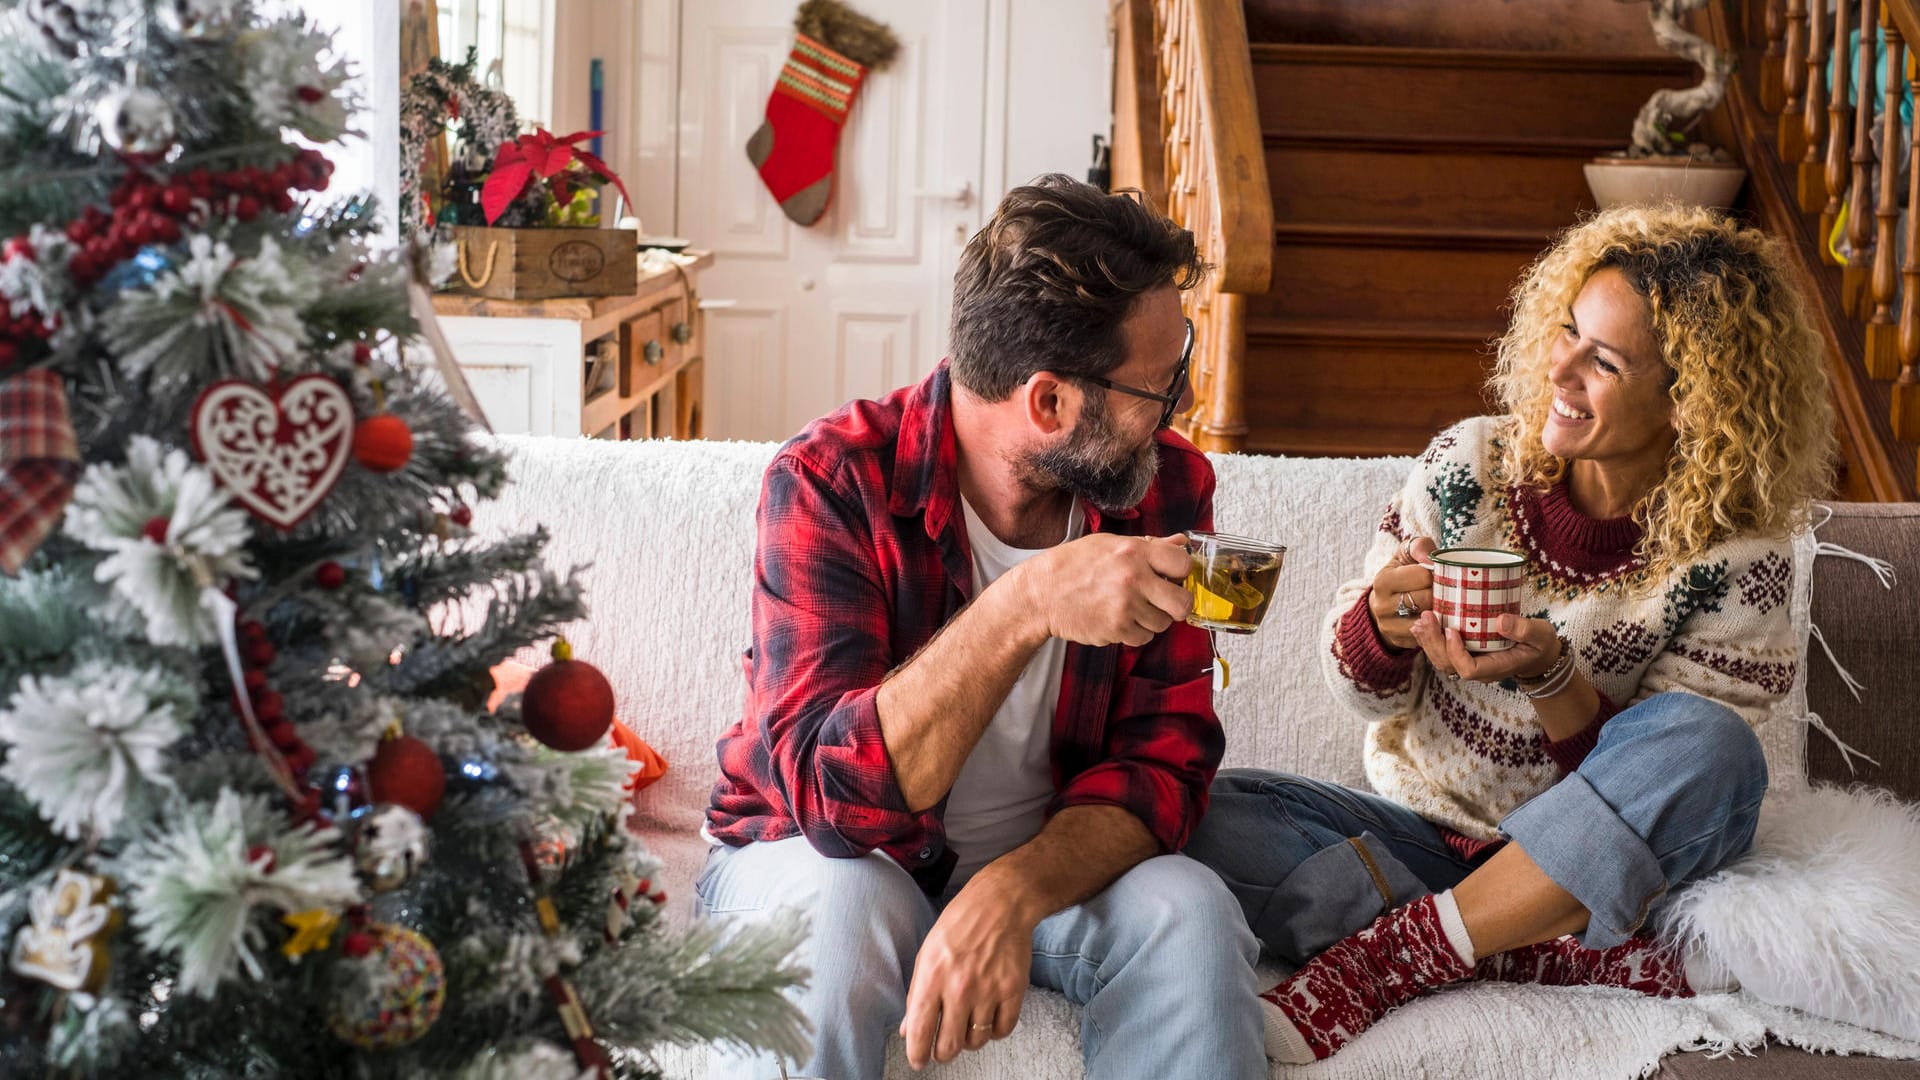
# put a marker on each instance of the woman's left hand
(1535, 649)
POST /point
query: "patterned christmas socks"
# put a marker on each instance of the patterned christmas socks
(1651, 967)
(1346, 989)
(833, 49)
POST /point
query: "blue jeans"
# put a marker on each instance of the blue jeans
(1161, 962)
(1671, 793)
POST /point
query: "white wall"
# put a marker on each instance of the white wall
(1058, 84)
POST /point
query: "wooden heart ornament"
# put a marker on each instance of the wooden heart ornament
(277, 449)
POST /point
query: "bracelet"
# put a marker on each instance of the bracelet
(1555, 678)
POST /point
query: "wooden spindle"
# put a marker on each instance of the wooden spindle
(1773, 93)
(1793, 82)
(1856, 286)
(1883, 334)
(1813, 127)
(1906, 388)
(1839, 134)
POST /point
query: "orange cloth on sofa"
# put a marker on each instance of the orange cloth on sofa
(511, 677)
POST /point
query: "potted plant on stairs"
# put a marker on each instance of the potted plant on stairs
(1665, 163)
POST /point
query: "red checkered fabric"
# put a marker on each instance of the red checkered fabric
(39, 461)
(1470, 598)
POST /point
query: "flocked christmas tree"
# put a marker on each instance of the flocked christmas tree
(255, 816)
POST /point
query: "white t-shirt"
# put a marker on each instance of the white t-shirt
(999, 800)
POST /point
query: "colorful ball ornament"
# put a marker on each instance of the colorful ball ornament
(389, 843)
(567, 705)
(407, 771)
(135, 120)
(382, 443)
(391, 993)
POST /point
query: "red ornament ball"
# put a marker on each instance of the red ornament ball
(382, 443)
(407, 771)
(330, 575)
(567, 705)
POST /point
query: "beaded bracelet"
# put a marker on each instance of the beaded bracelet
(1554, 679)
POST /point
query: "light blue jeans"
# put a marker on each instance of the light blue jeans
(1161, 962)
(1671, 793)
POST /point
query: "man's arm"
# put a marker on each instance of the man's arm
(1096, 590)
(970, 976)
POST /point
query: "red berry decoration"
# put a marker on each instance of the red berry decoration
(567, 705)
(461, 515)
(156, 529)
(406, 771)
(330, 575)
(382, 443)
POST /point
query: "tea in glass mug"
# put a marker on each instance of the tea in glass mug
(1232, 580)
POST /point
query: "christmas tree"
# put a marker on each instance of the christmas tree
(256, 817)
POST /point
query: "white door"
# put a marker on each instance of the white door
(804, 319)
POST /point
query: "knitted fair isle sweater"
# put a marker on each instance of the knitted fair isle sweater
(1465, 754)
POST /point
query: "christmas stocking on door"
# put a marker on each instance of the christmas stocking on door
(833, 49)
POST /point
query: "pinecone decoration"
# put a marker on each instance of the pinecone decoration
(68, 27)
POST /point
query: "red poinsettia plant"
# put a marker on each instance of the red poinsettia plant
(540, 157)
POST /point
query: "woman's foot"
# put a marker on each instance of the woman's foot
(1346, 989)
(1652, 967)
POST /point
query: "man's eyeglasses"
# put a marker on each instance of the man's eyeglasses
(1169, 401)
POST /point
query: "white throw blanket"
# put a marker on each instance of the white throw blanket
(668, 528)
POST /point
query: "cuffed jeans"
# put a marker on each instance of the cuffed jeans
(1671, 793)
(1161, 962)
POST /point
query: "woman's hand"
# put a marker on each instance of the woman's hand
(1406, 580)
(1536, 648)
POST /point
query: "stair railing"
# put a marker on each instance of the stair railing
(1207, 148)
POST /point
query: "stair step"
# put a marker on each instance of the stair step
(1458, 190)
(1442, 279)
(1360, 389)
(1540, 25)
(1461, 93)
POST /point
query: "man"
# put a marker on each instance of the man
(977, 728)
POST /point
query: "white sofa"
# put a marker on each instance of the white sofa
(669, 531)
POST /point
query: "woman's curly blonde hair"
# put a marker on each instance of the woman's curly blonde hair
(1751, 404)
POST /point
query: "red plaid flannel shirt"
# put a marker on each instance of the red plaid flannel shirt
(39, 460)
(862, 556)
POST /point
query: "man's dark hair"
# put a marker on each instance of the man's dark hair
(1046, 284)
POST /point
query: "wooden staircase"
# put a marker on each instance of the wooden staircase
(1412, 185)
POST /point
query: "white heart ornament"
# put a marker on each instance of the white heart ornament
(277, 449)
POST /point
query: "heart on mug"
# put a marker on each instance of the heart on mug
(277, 449)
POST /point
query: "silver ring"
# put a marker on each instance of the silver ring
(1406, 609)
(1453, 676)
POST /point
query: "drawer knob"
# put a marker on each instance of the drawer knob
(682, 332)
(653, 351)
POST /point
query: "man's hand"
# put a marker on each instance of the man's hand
(1102, 589)
(970, 976)
(1409, 574)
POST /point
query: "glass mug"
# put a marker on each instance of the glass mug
(1232, 580)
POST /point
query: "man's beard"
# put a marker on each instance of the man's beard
(1091, 463)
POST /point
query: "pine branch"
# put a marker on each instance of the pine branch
(525, 609)
(27, 848)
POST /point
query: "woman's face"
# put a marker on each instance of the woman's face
(1610, 403)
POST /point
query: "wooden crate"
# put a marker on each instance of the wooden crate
(539, 264)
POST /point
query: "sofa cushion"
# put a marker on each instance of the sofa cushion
(1875, 633)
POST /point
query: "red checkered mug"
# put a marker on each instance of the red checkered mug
(1473, 587)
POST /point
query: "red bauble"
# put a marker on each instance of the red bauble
(567, 705)
(406, 771)
(330, 575)
(382, 443)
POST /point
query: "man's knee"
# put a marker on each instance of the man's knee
(1181, 911)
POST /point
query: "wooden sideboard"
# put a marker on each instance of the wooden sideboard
(610, 367)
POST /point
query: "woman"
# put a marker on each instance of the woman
(1667, 423)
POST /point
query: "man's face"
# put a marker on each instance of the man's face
(1108, 457)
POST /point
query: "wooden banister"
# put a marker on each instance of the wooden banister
(1213, 161)
(1773, 91)
(1813, 127)
(1793, 82)
(1839, 134)
(1883, 336)
(1906, 387)
(1857, 280)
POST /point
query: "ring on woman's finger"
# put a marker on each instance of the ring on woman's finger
(979, 1027)
(1453, 676)
(1406, 609)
